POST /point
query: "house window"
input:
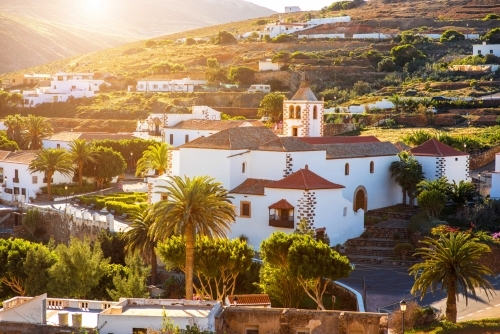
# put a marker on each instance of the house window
(478, 52)
(245, 209)
(491, 51)
(243, 167)
(34, 179)
(164, 197)
(345, 211)
(372, 167)
(456, 159)
(295, 132)
(290, 110)
(16, 191)
(58, 146)
(23, 191)
(186, 139)
(155, 86)
(16, 174)
(347, 169)
(141, 86)
(251, 329)
(315, 112)
(171, 139)
(297, 112)
(165, 86)
(1, 175)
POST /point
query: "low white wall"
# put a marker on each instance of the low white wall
(323, 36)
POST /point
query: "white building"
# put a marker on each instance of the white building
(128, 315)
(18, 184)
(292, 9)
(495, 179)
(438, 160)
(62, 139)
(165, 85)
(278, 28)
(62, 86)
(484, 49)
(268, 65)
(329, 20)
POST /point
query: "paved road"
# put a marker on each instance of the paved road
(389, 284)
(487, 97)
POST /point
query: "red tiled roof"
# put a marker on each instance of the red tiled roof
(434, 148)
(89, 136)
(281, 204)
(304, 179)
(201, 124)
(340, 140)
(262, 299)
(251, 187)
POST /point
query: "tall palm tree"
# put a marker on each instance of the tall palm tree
(155, 157)
(36, 128)
(81, 152)
(14, 125)
(407, 172)
(452, 262)
(50, 161)
(197, 206)
(139, 239)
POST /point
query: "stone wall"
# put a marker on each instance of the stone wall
(21, 328)
(330, 130)
(249, 113)
(419, 120)
(234, 320)
(484, 158)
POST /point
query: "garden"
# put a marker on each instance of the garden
(121, 203)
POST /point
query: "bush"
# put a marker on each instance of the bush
(386, 65)
(212, 63)
(241, 75)
(224, 37)
(396, 236)
(190, 41)
(283, 38)
(150, 43)
(491, 17)
(402, 249)
(493, 36)
(260, 22)
(474, 83)
(73, 188)
(282, 55)
(415, 316)
(451, 35)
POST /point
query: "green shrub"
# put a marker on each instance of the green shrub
(283, 38)
(150, 43)
(190, 41)
(121, 208)
(224, 37)
(73, 188)
(402, 250)
(396, 236)
(451, 35)
(491, 17)
(260, 22)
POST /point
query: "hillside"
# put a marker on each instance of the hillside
(34, 34)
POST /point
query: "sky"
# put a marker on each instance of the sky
(279, 5)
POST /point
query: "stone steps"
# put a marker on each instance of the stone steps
(387, 232)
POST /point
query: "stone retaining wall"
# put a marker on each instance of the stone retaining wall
(484, 158)
(21, 328)
(330, 130)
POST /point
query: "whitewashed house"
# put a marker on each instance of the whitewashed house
(269, 65)
(62, 139)
(62, 86)
(17, 182)
(495, 179)
(165, 85)
(438, 160)
(292, 9)
(278, 28)
(484, 49)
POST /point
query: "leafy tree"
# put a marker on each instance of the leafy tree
(431, 202)
(241, 75)
(281, 55)
(451, 35)
(126, 146)
(36, 265)
(16, 99)
(408, 37)
(212, 63)
(81, 151)
(51, 161)
(462, 192)
(451, 263)
(100, 291)
(386, 65)
(113, 246)
(155, 157)
(224, 37)
(216, 75)
(133, 285)
(14, 124)
(282, 288)
(283, 38)
(197, 206)
(407, 172)
(78, 269)
(493, 36)
(361, 87)
(190, 41)
(8, 145)
(31, 221)
(36, 128)
(4, 98)
(272, 106)
(403, 54)
(303, 228)
(417, 137)
(108, 164)
(139, 239)
(217, 262)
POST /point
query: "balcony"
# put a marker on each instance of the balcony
(15, 180)
(281, 221)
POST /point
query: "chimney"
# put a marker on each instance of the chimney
(307, 167)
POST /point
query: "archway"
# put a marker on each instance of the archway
(360, 199)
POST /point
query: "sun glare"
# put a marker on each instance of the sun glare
(95, 4)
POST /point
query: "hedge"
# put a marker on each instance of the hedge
(73, 188)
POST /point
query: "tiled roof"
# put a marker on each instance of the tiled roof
(262, 299)
(304, 179)
(281, 204)
(20, 157)
(287, 144)
(304, 93)
(241, 138)
(402, 146)
(89, 136)
(434, 148)
(341, 151)
(340, 140)
(251, 187)
(201, 124)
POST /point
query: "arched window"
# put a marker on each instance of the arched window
(372, 166)
(243, 167)
(346, 169)
(315, 113)
(290, 110)
(297, 112)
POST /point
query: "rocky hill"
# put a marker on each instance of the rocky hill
(36, 32)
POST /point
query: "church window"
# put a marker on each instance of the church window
(297, 112)
(372, 167)
(315, 112)
(347, 169)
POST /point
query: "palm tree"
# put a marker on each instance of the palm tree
(14, 125)
(197, 206)
(462, 192)
(36, 129)
(452, 262)
(81, 152)
(155, 157)
(139, 239)
(442, 185)
(407, 172)
(397, 101)
(50, 161)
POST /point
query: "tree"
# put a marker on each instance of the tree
(224, 37)
(303, 228)
(216, 75)
(272, 106)
(405, 53)
(361, 87)
(451, 35)
(14, 124)
(8, 145)
(451, 262)
(462, 192)
(51, 161)
(139, 239)
(431, 202)
(493, 36)
(190, 41)
(212, 63)
(284, 290)
(78, 269)
(155, 157)
(16, 99)
(108, 164)
(36, 128)
(36, 265)
(197, 206)
(440, 185)
(397, 101)
(407, 172)
(4, 98)
(241, 75)
(31, 221)
(132, 285)
(81, 151)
